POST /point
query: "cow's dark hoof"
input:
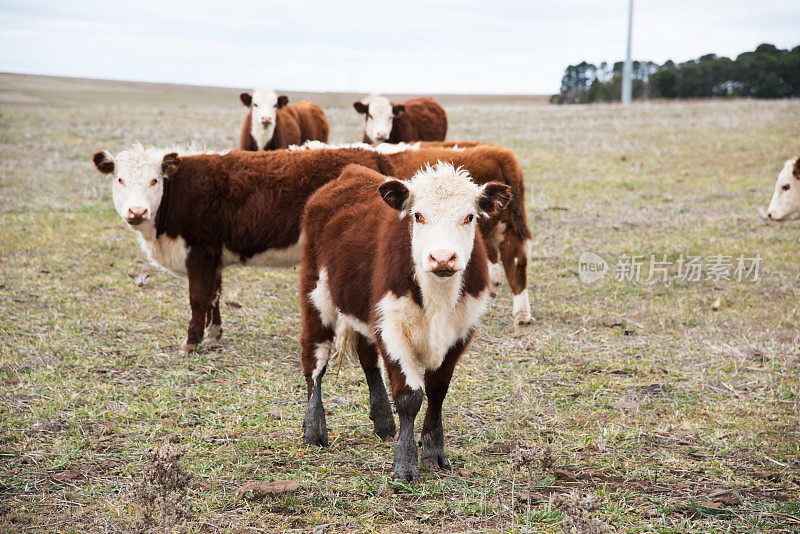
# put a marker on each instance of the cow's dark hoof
(406, 472)
(436, 461)
(315, 429)
(383, 420)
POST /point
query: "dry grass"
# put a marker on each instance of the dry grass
(674, 416)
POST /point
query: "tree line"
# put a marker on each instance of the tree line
(766, 72)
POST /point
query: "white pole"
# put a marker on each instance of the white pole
(627, 67)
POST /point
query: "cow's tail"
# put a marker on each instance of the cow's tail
(512, 175)
(345, 343)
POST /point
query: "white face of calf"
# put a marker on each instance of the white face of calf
(379, 116)
(139, 176)
(444, 205)
(264, 105)
(785, 204)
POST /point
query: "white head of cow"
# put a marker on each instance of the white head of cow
(379, 116)
(785, 203)
(443, 204)
(264, 105)
(139, 175)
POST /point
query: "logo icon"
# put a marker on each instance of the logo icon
(591, 268)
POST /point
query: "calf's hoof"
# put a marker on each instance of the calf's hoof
(213, 343)
(406, 472)
(523, 320)
(436, 460)
(385, 430)
(186, 348)
(315, 430)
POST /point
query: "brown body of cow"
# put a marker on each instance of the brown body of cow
(506, 235)
(294, 125)
(357, 254)
(422, 119)
(238, 208)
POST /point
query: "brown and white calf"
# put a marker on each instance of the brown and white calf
(505, 234)
(194, 215)
(785, 203)
(395, 268)
(418, 119)
(272, 123)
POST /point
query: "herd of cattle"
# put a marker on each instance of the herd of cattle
(400, 239)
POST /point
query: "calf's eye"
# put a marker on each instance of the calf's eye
(785, 187)
(153, 182)
(418, 217)
(469, 218)
(121, 181)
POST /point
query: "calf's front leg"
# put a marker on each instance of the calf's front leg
(407, 403)
(436, 384)
(202, 272)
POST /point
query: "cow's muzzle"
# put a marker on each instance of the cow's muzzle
(137, 215)
(443, 263)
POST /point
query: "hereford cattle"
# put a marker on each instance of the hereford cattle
(395, 268)
(785, 204)
(506, 234)
(418, 119)
(272, 123)
(197, 214)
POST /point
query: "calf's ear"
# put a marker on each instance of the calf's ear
(394, 193)
(103, 161)
(170, 163)
(398, 109)
(796, 170)
(494, 197)
(361, 107)
(246, 99)
(282, 101)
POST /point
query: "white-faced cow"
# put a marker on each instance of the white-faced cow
(273, 123)
(418, 119)
(506, 235)
(197, 214)
(395, 268)
(785, 204)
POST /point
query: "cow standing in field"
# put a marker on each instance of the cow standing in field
(505, 234)
(395, 268)
(785, 203)
(273, 123)
(197, 214)
(418, 119)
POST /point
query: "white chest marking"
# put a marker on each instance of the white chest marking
(418, 339)
(165, 252)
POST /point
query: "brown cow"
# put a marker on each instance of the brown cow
(505, 235)
(418, 119)
(197, 214)
(412, 287)
(272, 123)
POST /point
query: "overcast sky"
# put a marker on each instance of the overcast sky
(460, 46)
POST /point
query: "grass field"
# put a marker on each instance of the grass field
(673, 406)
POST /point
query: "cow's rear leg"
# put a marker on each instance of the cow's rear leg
(202, 270)
(213, 317)
(380, 410)
(514, 255)
(317, 343)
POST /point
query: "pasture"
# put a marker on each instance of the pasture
(674, 405)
